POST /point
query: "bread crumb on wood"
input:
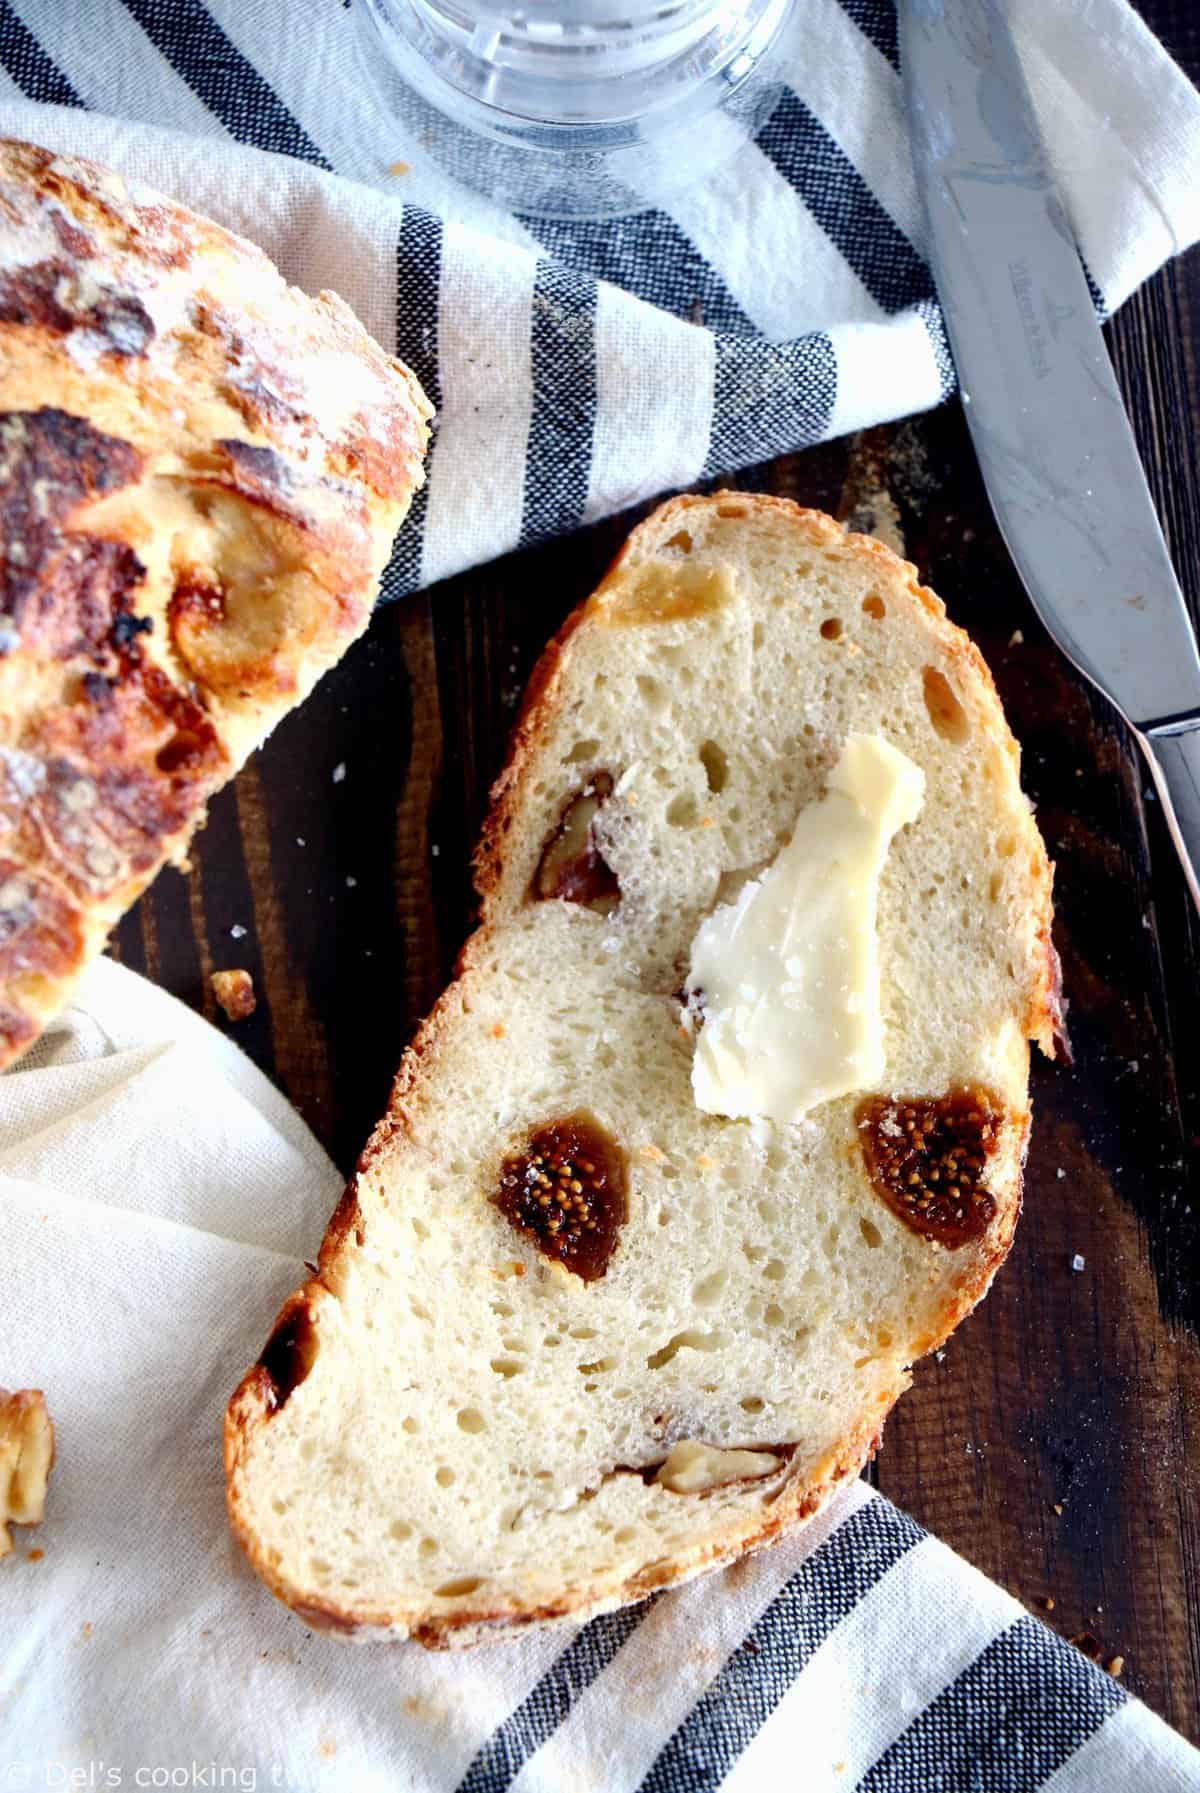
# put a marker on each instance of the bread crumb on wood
(1115, 1665)
(234, 991)
(26, 1458)
(399, 168)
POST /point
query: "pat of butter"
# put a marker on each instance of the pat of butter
(788, 975)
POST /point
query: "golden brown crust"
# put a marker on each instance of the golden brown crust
(201, 472)
(800, 1496)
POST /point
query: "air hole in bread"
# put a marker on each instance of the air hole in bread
(947, 715)
(773, 1314)
(410, 1424)
(1006, 846)
(691, 1340)
(506, 1367)
(752, 1403)
(454, 1590)
(774, 1271)
(626, 1535)
(584, 1332)
(601, 1367)
(400, 1529)
(445, 1476)
(709, 1288)
(471, 1420)
(653, 694)
(716, 765)
(582, 752)
(758, 635)
(874, 606)
(831, 628)
(428, 1547)
(870, 1232)
(683, 810)
(680, 540)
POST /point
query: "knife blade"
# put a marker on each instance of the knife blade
(1045, 413)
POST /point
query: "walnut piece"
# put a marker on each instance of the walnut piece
(26, 1454)
(234, 990)
(572, 866)
(693, 1467)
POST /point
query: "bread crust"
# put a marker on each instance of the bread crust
(201, 472)
(800, 1495)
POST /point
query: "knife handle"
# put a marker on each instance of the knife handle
(1174, 756)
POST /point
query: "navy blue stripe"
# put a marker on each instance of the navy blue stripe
(876, 19)
(930, 314)
(1022, 1708)
(648, 255)
(540, 1714)
(562, 351)
(844, 206)
(418, 285)
(217, 72)
(754, 1680)
(28, 64)
(769, 398)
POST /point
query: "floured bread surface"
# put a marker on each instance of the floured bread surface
(488, 1409)
(201, 473)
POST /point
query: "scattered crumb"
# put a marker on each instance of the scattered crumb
(941, 1356)
(339, 772)
(1046, 1602)
(234, 991)
(1058, 1508)
(399, 168)
(1060, 1173)
(351, 883)
(26, 1458)
(85, 1630)
(1016, 639)
(300, 841)
(839, 1768)
(327, 1747)
(1078, 1262)
(35, 1556)
(237, 931)
(1115, 1665)
(435, 851)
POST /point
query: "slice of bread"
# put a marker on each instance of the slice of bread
(451, 1431)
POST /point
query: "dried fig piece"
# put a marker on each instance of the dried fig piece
(925, 1156)
(566, 1189)
(572, 866)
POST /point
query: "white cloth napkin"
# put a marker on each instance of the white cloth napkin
(157, 1199)
(570, 374)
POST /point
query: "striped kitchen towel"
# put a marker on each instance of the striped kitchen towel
(140, 1651)
(578, 367)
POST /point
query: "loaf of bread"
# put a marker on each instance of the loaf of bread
(571, 1337)
(201, 474)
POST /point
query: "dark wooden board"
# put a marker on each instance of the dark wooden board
(1070, 1389)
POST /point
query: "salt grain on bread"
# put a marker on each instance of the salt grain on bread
(201, 473)
(486, 1411)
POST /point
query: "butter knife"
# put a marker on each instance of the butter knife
(1042, 403)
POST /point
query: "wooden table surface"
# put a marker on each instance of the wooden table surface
(1056, 1443)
